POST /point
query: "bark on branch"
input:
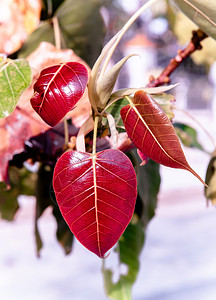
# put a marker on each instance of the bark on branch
(164, 77)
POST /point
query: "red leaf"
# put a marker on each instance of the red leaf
(96, 195)
(58, 89)
(152, 132)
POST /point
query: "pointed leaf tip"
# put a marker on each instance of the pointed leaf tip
(152, 132)
(58, 89)
(96, 195)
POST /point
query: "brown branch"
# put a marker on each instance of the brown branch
(194, 45)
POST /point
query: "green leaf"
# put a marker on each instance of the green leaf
(201, 12)
(187, 135)
(22, 182)
(15, 77)
(128, 249)
(107, 82)
(210, 189)
(45, 197)
(43, 200)
(63, 233)
(81, 26)
(114, 109)
(43, 33)
(166, 102)
(148, 185)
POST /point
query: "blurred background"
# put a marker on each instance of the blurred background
(178, 261)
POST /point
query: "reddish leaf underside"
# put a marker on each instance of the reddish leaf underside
(58, 89)
(152, 132)
(96, 195)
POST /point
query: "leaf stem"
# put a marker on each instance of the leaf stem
(57, 34)
(96, 120)
(200, 125)
(164, 77)
(66, 131)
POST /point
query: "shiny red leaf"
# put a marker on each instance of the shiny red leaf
(96, 195)
(58, 89)
(152, 132)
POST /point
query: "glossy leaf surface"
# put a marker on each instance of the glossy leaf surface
(96, 195)
(152, 132)
(58, 89)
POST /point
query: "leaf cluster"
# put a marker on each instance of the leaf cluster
(101, 178)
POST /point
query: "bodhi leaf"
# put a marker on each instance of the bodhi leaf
(15, 77)
(201, 12)
(96, 195)
(188, 135)
(152, 132)
(58, 89)
(128, 249)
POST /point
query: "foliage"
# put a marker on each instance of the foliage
(99, 169)
(81, 29)
(15, 77)
(200, 12)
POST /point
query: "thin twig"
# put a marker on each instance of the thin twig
(96, 120)
(66, 131)
(198, 123)
(194, 45)
(57, 33)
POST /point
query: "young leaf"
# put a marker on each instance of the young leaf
(152, 132)
(96, 195)
(15, 77)
(58, 89)
(107, 82)
(149, 90)
(201, 12)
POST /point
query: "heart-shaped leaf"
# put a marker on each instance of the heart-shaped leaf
(152, 132)
(96, 195)
(58, 89)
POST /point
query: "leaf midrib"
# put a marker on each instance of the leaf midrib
(200, 12)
